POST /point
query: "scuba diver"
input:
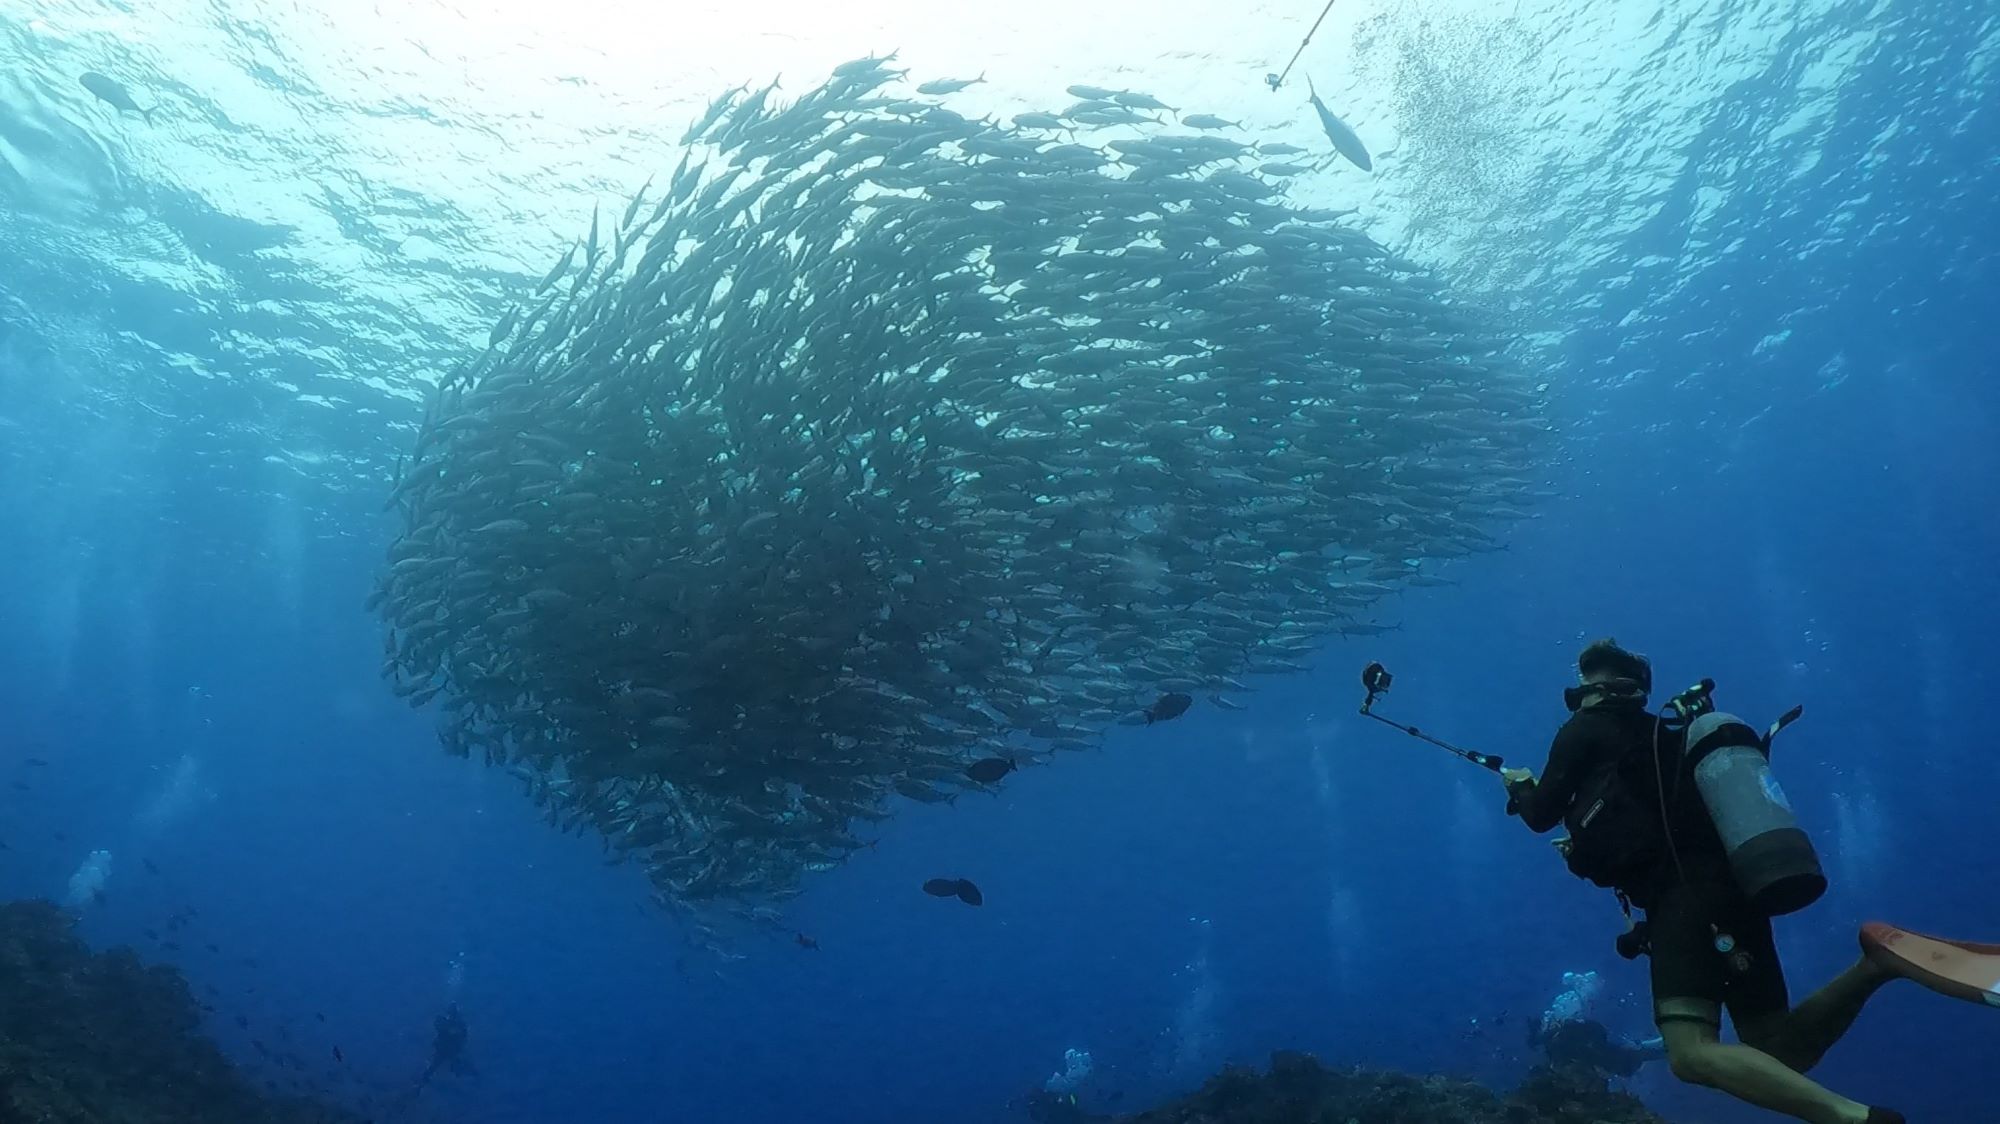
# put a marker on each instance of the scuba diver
(1589, 1044)
(1046, 1107)
(1679, 814)
(448, 1047)
(1570, 1035)
(447, 1052)
(1056, 1101)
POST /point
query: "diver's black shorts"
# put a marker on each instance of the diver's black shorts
(1687, 965)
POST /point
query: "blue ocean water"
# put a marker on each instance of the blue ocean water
(1752, 244)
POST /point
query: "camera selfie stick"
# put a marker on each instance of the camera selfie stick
(1376, 679)
(1276, 80)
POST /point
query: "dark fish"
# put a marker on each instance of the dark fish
(960, 888)
(243, 1022)
(501, 327)
(561, 265)
(21, 785)
(950, 85)
(212, 948)
(338, 1056)
(36, 761)
(806, 942)
(991, 769)
(170, 946)
(632, 208)
(110, 91)
(152, 934)
(1133, 100)
(1171, 705)
(320, 1015)
(863, 66)
(1343, 138)
(150, 868)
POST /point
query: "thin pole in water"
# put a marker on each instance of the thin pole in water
(1277, 80)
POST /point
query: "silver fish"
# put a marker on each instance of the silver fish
(1343, 138)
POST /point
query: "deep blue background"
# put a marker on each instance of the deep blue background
(1807, 522)
(1837, 557)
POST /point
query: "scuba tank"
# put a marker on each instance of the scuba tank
(1771, 858)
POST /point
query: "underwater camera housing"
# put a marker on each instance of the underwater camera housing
(1375, 679)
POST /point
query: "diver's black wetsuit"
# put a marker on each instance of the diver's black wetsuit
(1686, 905)
(1590, 1044)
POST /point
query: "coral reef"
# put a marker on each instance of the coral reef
(1299, 1090)
(100, 1038)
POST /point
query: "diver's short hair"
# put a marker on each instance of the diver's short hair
(1606, 657)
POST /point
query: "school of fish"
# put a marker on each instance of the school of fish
(881, 442)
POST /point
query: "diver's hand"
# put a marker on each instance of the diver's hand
(1519, 783)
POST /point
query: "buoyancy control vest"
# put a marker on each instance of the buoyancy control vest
(1616, 834)
(1616, 838)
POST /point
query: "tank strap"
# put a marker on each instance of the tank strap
(1784, 720)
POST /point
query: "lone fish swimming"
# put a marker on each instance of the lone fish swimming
(1343, 138)
(113, 93)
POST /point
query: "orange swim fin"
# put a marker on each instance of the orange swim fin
(1960, 969)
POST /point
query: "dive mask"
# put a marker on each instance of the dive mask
(1625, 689)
